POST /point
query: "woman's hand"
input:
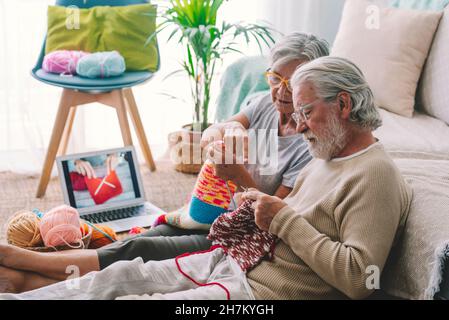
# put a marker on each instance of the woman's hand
(84, 168)
(211, 134)
(236, 141)
(233, 134)
(229, 172)
(265, 207)
(223, 168)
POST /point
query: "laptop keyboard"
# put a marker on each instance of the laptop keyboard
(112, 215)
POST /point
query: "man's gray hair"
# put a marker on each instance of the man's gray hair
(332, 75)
(298, 46)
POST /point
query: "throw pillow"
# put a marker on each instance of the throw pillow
(390, 46)
(433, 94)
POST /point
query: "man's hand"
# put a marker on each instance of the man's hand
(265, 207)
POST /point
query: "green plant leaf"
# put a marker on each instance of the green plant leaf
(172, 74)
(194, 21)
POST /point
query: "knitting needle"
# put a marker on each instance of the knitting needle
(101, 184)
(230, 195)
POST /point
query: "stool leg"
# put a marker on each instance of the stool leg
(67, 131)
(55, 140)
(135, 117)
(122, 117)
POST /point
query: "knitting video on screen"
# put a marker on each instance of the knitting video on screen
(101, 179)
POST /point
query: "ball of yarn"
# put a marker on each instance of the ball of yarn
(23, 230)
(62, 61)
(61, 226)
(101, 65)
(101, 236)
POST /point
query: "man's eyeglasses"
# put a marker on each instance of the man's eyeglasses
(275, 80)
(303, 113)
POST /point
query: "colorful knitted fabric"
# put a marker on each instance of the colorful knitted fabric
(238, 233)
(210, 198)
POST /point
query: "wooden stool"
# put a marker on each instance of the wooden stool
(121, 99)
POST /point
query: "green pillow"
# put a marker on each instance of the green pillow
(103, 28)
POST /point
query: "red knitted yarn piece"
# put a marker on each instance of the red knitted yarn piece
(78, 183)
(238, 233)
(160, 220)
(103, 189)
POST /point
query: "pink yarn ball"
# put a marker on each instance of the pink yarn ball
(62, 61)
(61, 226)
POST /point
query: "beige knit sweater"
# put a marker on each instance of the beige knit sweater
(342, 216)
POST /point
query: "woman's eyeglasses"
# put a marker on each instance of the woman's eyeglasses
(275, 80)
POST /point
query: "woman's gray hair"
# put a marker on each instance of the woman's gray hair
(332, 75)
(298, 46)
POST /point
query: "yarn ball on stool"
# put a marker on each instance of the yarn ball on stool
(101, 65)
(61, 226)
(101, 236)
(62, 61)
(23, 230)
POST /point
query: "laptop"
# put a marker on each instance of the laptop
(106, 188)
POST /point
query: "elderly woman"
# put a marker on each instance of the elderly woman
(26, 270)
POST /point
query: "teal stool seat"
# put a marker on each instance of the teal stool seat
(126, 80)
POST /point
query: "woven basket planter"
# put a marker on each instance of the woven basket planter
(185, 150)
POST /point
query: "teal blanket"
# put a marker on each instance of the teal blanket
(240, 80)
(435, 5)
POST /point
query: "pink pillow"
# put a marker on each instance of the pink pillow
(62, 62)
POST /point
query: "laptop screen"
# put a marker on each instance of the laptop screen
(105, 179)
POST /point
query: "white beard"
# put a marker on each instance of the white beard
(329, 141)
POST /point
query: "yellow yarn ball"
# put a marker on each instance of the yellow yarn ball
(23, 230)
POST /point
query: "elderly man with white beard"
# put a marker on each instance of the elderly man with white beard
(338, 224)
(349, 204)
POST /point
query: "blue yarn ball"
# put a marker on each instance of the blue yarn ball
(101, 65)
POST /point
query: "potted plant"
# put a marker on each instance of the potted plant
(194, 24)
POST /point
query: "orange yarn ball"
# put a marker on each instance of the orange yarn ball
(98, 239)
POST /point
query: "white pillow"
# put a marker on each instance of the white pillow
(390, 46)
(433, 91)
